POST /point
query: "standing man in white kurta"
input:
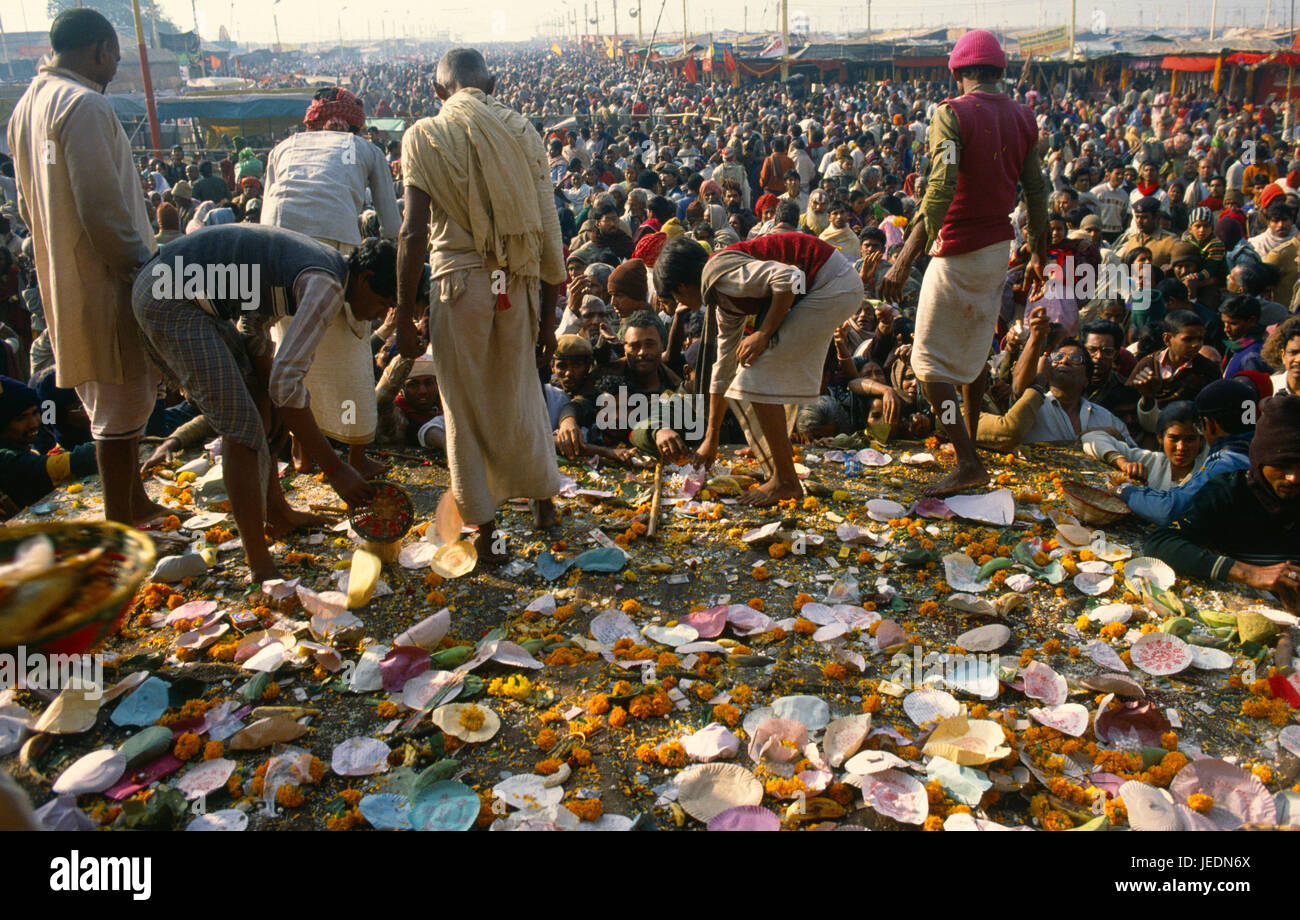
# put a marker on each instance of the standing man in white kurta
(79, 194)
(316, 183)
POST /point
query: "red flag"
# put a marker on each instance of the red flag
(728, 59)
(689, 71)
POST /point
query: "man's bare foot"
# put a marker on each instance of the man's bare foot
(149, 512)
(256, 577)
(959, 480)
(484, 538)
(771, 492)
(543, 513)
(301, 462)
(282, 522)
(745, 452)
(369, 469)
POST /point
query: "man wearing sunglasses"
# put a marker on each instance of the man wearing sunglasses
(1066, 413)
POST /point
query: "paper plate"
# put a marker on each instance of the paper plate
(205, 778)
(1094, 583)
(454, 559)
(449, 719)
(844, 736)
(778, 740)
(924, 706)
(1160, 653)
(1070, 718)
(388, 515)
(1210, 659)
(1239, 796)
(864, 763)
(386, 812)
(360, 756)
(1149, 808)
(444, 806)
(706, 790)
(882, 509)
(712, 742)
(998, 507)
(528, 792)
(93, 773)
(969, 742)
(745, 818)
(1044, 684)
(227, 819)
(1099, 652)
(1111, 613)
(671, 636)
(812, 711)
(709, 624)
(1153, 570)
(896, 795)
(985, 638)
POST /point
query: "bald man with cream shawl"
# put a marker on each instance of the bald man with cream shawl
(479, 196)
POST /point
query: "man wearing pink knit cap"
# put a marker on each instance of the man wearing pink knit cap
(981, 145)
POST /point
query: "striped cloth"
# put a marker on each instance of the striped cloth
(209, 359)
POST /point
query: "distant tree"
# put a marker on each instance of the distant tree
(118, 12)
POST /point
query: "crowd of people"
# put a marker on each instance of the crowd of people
(1114, 272)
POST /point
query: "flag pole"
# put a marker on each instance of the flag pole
(154, 134)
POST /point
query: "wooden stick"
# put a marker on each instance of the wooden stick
(328, 509)
(654, 502)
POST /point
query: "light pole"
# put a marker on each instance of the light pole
(341, 9)
(275, 20)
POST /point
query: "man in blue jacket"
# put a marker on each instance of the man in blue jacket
(1227, 411)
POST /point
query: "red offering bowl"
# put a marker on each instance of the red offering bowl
(387, 517)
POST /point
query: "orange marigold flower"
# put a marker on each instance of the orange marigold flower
(186, 747)
(617, 717)
(646, 753)
(804, 627)
(726, 713)
(671, 755)
(760, 573)
(386, 710)
(631, 606)
(546, 767)
(289, 796)
(933, 823)
(586, 809)
(547, 739)
(563, 612)
(799, 600)
(742, 694)
(579, 757)
(213, 749)
(755, 603)
(599, 704)
(777, 551)
(835, 671)
(871, 703)
(1198, 801)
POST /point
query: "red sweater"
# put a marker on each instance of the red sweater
(802, 250)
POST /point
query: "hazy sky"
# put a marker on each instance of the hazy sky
(319, 20)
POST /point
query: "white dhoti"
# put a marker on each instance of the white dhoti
(499, 440)
(957, 313)
(789, 371)
(341, 380)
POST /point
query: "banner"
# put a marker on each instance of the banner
(556, 48)
(1047, 41)
(775, 48)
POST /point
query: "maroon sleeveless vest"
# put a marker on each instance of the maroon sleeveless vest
(996, 136)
